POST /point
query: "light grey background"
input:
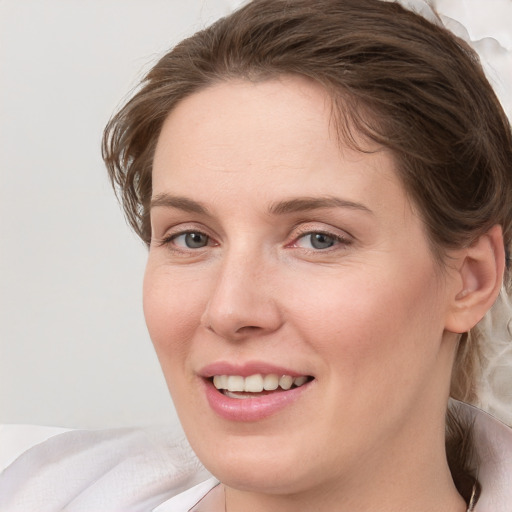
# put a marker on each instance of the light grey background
(73, 346)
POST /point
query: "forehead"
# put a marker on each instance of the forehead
(233, 120)
(273, 130)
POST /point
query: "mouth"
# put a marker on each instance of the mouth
(257, 385)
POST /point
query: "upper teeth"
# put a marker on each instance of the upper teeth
(257, 383)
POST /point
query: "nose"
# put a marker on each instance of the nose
(243, 300)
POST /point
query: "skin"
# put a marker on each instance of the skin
(371, 317)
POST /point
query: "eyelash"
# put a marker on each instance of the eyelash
(338, 240)
(169, 239)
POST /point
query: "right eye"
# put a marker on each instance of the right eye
(190, 240)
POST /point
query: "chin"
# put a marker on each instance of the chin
(269, 477)
(262, 463)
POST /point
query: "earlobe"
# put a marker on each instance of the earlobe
(479, 279)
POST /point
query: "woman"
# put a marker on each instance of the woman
(325, 192)
(325, 189)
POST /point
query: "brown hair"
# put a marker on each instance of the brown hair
(394, 77)
(411, 85)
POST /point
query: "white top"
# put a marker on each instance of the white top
(142, 470)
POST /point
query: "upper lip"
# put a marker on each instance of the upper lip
(245, 369)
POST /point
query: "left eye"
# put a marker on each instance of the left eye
(317, 241)
(191, 240)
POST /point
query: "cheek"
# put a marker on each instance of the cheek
(172, 309)
(377, 343)
(372, 318)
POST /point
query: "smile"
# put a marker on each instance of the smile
(236, 386)
(255, 396)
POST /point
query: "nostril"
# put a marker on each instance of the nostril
(248, 328)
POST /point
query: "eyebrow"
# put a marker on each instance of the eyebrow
(303, 204)
(178, 202)
(295, 205)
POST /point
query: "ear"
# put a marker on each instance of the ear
(479, 276)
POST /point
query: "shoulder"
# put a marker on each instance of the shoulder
(16, 439)
(115, 470)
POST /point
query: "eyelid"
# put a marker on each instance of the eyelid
(301, 231)
(183, 229)
(171, 238)
(298, 232)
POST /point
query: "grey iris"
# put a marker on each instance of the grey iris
(196, 240)
(321, 241)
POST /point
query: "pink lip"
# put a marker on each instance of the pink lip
(248, 409)
(246, 369)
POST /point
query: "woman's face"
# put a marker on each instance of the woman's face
(276, 253)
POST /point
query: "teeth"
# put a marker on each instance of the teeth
(299, 381)
(220, 381)
(270, 382)
(286, 382)
(253, 384)
(235, 383)
(257, 383)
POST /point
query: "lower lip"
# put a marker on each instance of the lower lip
(251, 409)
